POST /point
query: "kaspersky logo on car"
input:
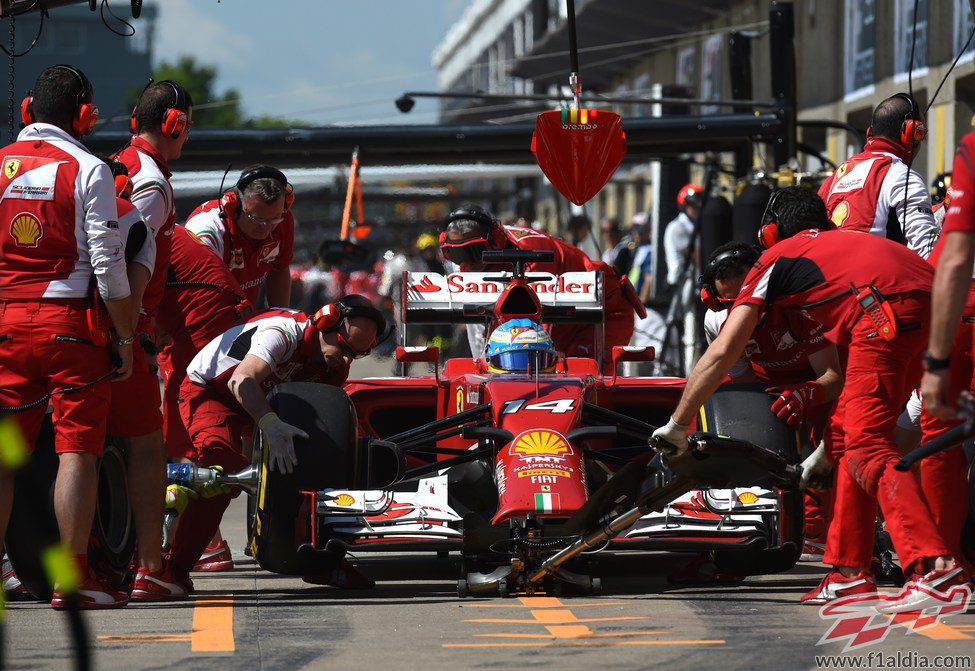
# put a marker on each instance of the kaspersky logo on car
(533, 443)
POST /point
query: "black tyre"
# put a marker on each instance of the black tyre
(33, 525)
(326, 459)
(744, 412)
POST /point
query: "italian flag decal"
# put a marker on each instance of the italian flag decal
(547, 503)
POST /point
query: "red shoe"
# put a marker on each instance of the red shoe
(931, 589)
(835, 585)
(702, 570)
(13, 589)
(92, 594)
(159, 585)
(343, 576)
(216, 558)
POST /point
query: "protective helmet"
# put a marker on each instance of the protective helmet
(475, 230)
(690, 194)
(520, 346)
(426, 241)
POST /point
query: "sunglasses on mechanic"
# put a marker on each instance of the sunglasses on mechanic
(258, 220)
(346, 347)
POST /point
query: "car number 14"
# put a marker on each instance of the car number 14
(558, 407)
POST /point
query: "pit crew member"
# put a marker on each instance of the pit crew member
(471, 230)
(201, 301)
(161, 122)
(679, 234)
(252, 229)
(225, 391)
(874, 191)
(59, 244)
(879, 310)
(945, 374)
(789, 352)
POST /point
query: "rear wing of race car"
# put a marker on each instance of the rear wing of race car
(469, 298)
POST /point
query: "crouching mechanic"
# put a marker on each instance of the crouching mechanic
(225, 393)
(879, 310)
(470, 231)
(787, 351)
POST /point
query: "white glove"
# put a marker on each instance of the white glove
(280, 442)
(815, 469)
(672, 435)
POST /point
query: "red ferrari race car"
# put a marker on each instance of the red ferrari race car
(507, 468)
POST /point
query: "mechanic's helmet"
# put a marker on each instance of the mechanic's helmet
(426, 241)
(520, 346)
(690, 194)
(468, 231)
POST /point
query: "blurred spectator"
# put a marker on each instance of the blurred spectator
(617, 252)
(522, 222)
(679, 233)
(427, 249)
(580, 236)
(641, 272)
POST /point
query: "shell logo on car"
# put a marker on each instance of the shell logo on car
(540, 442)
(747, 498)
(26, 230)
(344, 500)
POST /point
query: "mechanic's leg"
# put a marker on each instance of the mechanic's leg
(6, 502)
(75, 491)
(880, 376)
(147, 491)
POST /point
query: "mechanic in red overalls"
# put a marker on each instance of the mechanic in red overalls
(161, 123)
(201, 301)
(879, 310)
(471, 230)
(59, 240)
(787, 350)
(946, 372)
(225, 393)
(251, 228)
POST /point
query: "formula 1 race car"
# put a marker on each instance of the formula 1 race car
(504, 468)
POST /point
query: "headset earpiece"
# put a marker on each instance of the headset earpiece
(230, 205)
(913, 128)
(768, 235)
(328, 318)
(174, 122)
(710, 300)
(27, 110)
(122, 184)
(289, 196)
(84, 121)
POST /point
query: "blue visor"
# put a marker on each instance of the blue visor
(522, 360)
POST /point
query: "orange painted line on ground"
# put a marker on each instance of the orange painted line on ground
(146, 638)
(570, 631)
(541, 602)
(548, 636)
(560, 605)
(938, 631)
(579, 642)
(502, 620)
(213, 625)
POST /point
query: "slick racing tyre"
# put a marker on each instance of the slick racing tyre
(744, 412)
(326, 459)
(33, 526)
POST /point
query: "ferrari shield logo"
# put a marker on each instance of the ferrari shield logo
(10, 167)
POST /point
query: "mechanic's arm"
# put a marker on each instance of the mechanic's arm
(916, 216)
(795, 401)
(718, 359)
(278, 288)
(826, 364)
(245, 385)
(952, 280)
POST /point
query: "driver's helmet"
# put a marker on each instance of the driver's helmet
(520, 346)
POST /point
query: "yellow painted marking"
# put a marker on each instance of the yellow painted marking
(831, 146)
(585, 642)
(213, 624)
(939, 163)
(146, 638)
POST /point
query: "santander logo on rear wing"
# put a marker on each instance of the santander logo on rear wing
(469, 297)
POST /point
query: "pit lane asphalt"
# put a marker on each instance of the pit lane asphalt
(247, 618)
